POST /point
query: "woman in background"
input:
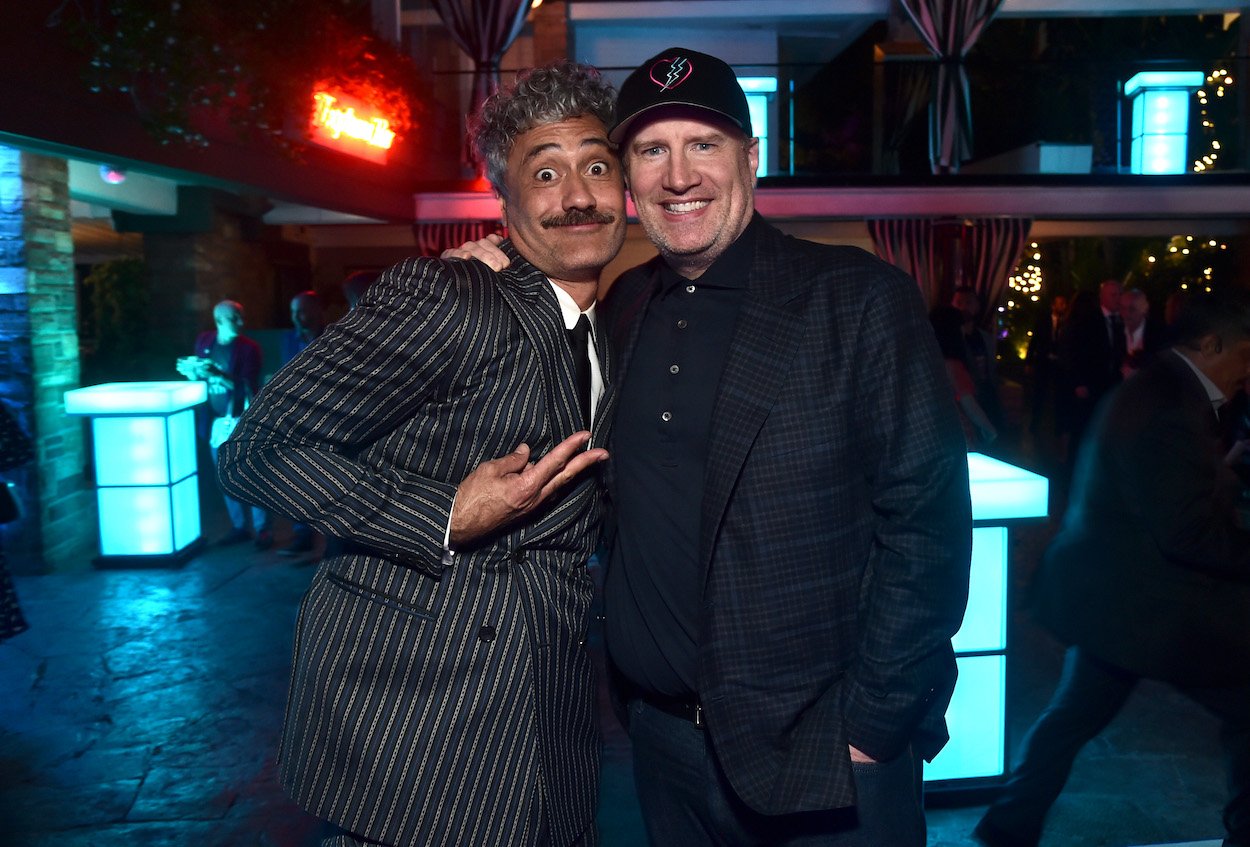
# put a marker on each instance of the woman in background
(947, 324)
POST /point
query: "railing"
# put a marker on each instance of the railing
(856, 119)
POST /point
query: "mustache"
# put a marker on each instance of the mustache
(578, 217)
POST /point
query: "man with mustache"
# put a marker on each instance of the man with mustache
(441, 692)
(789, 488)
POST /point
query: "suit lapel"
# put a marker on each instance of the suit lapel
(528, 293)
(766, 337)
(607, 403)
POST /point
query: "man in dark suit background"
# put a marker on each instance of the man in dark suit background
(1093, 352)
(790, 498)
(441, 692)
(1150, 574)
(1143, 335)
(1042, 357)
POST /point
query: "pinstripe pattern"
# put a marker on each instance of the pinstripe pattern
(835, 529)
(430, 704)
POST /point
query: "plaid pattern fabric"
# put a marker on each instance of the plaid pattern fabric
(432, 703)
(836, 530)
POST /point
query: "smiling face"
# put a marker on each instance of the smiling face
(565, 200)
(693, 183)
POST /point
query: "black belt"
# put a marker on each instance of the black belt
(686, 708)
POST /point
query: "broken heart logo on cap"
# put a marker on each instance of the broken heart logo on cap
(670, 73)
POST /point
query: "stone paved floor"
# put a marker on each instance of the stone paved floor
(143, 708)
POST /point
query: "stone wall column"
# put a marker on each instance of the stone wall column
(39, 363)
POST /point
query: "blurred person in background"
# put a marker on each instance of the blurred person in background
(947, 324)
(307, 324)
(230, 363)
(15, 450)
(1149, 575)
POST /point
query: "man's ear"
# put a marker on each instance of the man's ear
(503, 208)
(1211, 345)
(753, 155)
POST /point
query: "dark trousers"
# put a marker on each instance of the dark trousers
(1089, 695)
(687, 801)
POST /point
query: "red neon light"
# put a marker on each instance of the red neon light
(347, 125)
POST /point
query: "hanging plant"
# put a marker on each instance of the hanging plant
(189, 67)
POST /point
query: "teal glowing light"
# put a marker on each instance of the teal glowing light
(975, 717)
(976, 720)
(985, 621)
(1001, 491)
(128, 398)
(145, 464)
(759, 90)
(1161, 120)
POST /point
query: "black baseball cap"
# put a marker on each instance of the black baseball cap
(680, 77)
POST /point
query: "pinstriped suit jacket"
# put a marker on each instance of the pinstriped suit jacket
(836, 525)
(432, 704)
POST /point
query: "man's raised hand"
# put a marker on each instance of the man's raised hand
(501, 490)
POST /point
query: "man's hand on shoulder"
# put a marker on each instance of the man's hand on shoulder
(501, 490)
(485, 250)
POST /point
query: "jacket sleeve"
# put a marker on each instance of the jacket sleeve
(300, 448)
(1170, 472)
(916, 585)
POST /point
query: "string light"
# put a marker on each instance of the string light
(1026, 282)
(1189, 263)
(1221, 80)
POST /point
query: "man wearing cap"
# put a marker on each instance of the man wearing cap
(789, 558)
(792, 527)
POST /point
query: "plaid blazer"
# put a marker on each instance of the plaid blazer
(836, 526)
(433, 704)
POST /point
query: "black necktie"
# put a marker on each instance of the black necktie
(578, 343)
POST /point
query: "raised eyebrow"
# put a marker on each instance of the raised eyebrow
(593, 141)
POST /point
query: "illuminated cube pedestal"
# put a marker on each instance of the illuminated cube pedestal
(976, 753)
(147, 487)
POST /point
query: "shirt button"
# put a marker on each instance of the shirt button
(690, 289)
(667, 416)
(681, 324)
(486, 634)
(673, 369)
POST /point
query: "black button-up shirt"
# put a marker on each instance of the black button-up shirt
(659, 446)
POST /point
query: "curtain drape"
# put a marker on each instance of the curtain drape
(949, 28)
(434, 238)
(989, 249)
(484, 29)
(943, 254)
(911, 244)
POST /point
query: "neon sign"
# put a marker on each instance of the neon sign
(344, 124)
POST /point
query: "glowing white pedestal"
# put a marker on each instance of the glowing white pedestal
(1001, 493)
(147, 488)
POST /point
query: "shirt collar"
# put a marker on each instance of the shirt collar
(730, 270)
(1214, 394)
(568, 308)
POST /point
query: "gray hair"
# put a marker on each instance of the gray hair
(552, 93)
